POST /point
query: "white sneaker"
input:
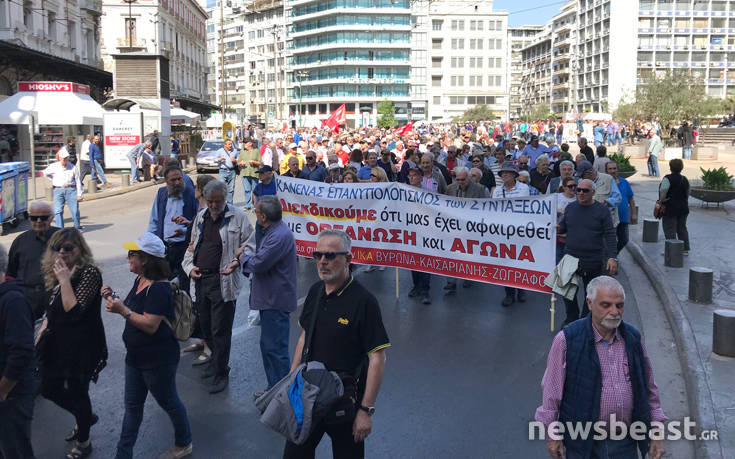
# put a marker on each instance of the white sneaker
(176, 452)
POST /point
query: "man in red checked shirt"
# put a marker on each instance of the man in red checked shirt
(598, 369)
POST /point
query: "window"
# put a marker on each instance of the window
(475, 80)
(681, 23)
(457, 24)
(436, 62)
(476, 25)
(457, 62)
(457, 80)
(499, 43)
(436, 81)
(436, 25)
(130, 31)
(457, 43)
(456, 100)
(491, 25)
(437, 100)
(436, 44)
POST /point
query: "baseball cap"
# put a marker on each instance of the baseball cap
(333, 166)
(583, 167)
(148, 243)
(292, 145)
(265, 168)
(413, 167)
(63, 154)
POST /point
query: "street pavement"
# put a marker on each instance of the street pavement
(462, 378)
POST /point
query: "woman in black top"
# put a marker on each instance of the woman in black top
(72, 348)
(674, 195)
(153, 353)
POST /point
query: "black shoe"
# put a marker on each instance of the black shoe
(425, 299)
(521, 296)
(219, 384)
(413, 293)
(79, 452)
(208, 373)
(507, 301)
(258, 394)
(75, 430)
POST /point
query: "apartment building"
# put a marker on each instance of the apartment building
(469, 58)
(535, 87)
(563, 68)
(518, 38)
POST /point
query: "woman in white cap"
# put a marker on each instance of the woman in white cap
(153, 353)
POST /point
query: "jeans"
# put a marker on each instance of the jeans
(84, 169)
(572, 306)
(16, 415)
(653, 166)
(161, 383)
(274, 328)
(421, 282)
(598, 143)
(72, 394)
(133, 170)
(622, 232)
(216, 317)
(66, 196)
(615, 449)
(343, 445)
(687, 152)
(228, 176)
(675, 227)
(248, 183)
(98, 168)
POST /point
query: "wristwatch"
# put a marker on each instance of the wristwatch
(370, 410)
(128, 314)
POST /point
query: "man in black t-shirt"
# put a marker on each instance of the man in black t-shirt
(348, 332)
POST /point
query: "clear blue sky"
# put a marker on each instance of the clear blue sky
(528, 12)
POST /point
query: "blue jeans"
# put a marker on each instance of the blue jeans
(615, 449)
(98, 169)
(687, 152)
(228, 176)
(653, 166)
(248, 183)
(161, 382)
(16, 415)
(66, 196)
(133, 170)
(274, 328)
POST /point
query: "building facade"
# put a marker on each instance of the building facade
(175, 29)
(43, 40)
(468, 50)
(563, 62)
(535, 88)
(518, 38)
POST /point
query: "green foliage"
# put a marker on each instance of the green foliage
(195, 142)
(671, 98)
(477, 113)
(623, 162)
(387, 112)
(716, 179)
(538, 112)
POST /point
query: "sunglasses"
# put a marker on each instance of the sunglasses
(475, 160)
(328, 255)
(133, 253)
(572, 187)
(584, 190)
(309, 157)
(35, 218)
(64, 247)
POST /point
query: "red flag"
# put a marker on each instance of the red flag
(336, 119)
(404, 130)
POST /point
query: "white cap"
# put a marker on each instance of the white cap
(292, 145)
(63, 153)
(148, 243)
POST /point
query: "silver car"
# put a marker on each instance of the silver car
(207, 156)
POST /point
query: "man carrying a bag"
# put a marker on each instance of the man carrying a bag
(348, 338)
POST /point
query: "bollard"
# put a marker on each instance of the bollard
(723, 332)
(50, 193)
(147, 174)
(92, 186)
(700, 285)
(125, 179)
(650, 230)
(674, 253)
(191, 161)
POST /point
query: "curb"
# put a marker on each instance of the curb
(695, 377)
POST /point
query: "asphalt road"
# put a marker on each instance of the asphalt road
(462, 378)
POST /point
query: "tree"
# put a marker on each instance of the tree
(477, 113)
(536, 113)
(387, 114)
(672, 98)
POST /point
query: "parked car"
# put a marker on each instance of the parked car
(206, 158)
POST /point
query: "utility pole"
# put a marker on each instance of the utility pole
(131, 27)
(301, 74)
(222, 53)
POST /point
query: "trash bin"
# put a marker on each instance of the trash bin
(21, 185)
(7, 194)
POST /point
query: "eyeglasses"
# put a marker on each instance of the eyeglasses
(572, 187)
(328, 255)
(65, 247)
(35, 218)
(133, 253)
(584, 190)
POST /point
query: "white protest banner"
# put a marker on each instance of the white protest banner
(508, 242)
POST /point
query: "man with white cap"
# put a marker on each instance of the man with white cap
(292, 152)
(67, 188)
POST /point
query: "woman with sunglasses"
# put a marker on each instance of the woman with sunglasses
(71, 344)
(152, 351)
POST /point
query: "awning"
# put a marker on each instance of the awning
(181, 116)
(127, 104)
(61, 108)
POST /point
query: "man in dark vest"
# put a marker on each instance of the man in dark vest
(174, 200)
(598, 370)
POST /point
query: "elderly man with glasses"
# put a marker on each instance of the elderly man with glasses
(590, 237)
(313, 170)
(26, 252)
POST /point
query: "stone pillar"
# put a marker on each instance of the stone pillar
(674, 253)
(124, 180)
(650, 230)
(700, 284)
(191, 161)
(723, 332)
(92, 186)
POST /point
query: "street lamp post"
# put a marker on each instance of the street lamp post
(301, 74)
